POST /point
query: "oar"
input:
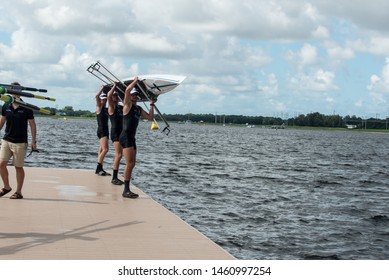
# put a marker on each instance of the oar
(9, 99)
(6, 98)
(18, 87)
(33, 107)
(4, 89)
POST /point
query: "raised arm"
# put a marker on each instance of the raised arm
(111, 103)
(127, 93)
(150, 115)
(127, 103)
(98, 101)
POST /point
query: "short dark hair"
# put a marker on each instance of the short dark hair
(15, 84)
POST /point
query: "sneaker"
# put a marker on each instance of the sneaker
(130, 194)
(117, 181)
(103, 173)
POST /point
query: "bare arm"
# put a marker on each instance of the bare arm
(149, 116)
(98, 101)
(111, 104)
(33, 134)
(127, 103)
(2, 122)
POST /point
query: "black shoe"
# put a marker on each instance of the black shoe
(130, 194)
(117, 181)
(103, 173)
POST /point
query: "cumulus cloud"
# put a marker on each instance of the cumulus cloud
(321, 32)
(308, 54)
(221, 46)
(379, 85)
(318, 81)
(372, 16)
(270, 87)
(339, 53)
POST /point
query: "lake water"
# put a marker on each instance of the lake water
(259, 193)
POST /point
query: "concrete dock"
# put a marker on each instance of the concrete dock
(69, 214)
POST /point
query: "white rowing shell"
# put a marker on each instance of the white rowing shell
(159, 83)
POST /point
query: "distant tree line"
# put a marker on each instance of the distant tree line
(312, 119)
(320, 120)
(70, 112)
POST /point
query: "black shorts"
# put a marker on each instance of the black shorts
(127, 142)
(115, 136)
(102, 132)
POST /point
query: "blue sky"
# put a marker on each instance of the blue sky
(246, 57)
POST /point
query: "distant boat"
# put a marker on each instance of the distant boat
(278, 126)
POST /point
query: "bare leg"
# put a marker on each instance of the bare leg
(130, 156)
(116, 163)
(19, 179)
(4, 174)
(118, 155)
(103, 150)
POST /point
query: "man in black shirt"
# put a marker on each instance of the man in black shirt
(15, 142)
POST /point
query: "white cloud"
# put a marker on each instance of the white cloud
(377, 45)
(222, 46)
(321, 32)
(365, 14)
(379, 84)
(379, 91)
(317, 81)
(338, 53)
(271, 86)
(308, 54)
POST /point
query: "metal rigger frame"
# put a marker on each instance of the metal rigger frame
(106, 76)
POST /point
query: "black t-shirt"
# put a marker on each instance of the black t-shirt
(17, 123)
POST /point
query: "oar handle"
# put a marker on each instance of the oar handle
(4, 89)
(46, 112)
(33, 107)
(44, 97)
(34, 89)
(6, 98)
(18, 87)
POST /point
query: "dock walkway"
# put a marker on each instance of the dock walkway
(70, 214)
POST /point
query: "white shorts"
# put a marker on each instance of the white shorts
(16, 150)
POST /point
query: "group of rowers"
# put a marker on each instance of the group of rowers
(124, 122)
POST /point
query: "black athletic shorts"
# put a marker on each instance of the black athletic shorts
(102, 132)
(115, 136)
(127, 142)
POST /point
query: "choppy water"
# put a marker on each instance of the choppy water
(259, 193)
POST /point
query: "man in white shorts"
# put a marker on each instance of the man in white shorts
(14, 143)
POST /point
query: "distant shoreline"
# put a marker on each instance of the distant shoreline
(241, 125)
